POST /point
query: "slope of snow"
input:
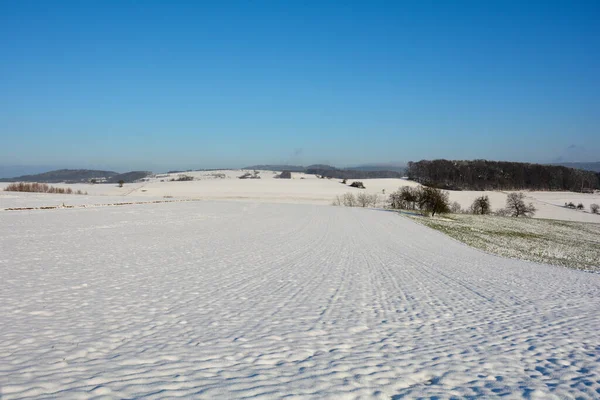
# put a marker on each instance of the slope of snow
(303, 188)
(236, 300)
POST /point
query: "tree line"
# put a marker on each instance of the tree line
(500, 175)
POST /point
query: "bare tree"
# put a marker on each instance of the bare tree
(363, 199)
(594, 208)
(121, 183)
(349, 200)
(580, 206)
(481, 205)
(515, 204)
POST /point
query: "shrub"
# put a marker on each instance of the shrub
(284, 175)
(594, 208)
(455, 207)
(349, 200)
(366, 200)
(580, 206)
(182, 178)
(570, 205)
(357, 184)
(121, 183)
(502, 212)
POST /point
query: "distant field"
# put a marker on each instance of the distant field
(565, 243)
(301, 189)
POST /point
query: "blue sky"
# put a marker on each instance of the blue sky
(160, 85)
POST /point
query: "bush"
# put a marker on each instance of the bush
(594, 208)
(580, 206)
(481, 206)
(455, 207)
(366, 200)
(284, 175)
(357, 184)
(515, 204)
(121, 183)
(349, 200)
(502, 212)
(181, 178)
(570, 205)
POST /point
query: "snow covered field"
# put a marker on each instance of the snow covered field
(302, 189)
(242, 299)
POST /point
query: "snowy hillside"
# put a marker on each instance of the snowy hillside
(235, 300)
(301, 189)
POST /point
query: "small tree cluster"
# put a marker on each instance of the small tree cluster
(180, 178)
(34, 187)
(516, 207)
(481, 206)
(426, 199)
(357, 184)
(405, 198)
(358, 200)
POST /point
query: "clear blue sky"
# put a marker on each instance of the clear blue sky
(173, 84)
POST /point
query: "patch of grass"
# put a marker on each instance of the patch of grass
(564, 243)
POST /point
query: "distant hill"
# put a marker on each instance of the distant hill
(586, 166)
(78, 176)
(275, 167)
(352, 173)
(328, 171)
(63, 175)
(377, 167)
(129, 177)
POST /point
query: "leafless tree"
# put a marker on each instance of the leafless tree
(515, 204)
(481, 205)
(434, 201)
(349, 200)
(594, 208)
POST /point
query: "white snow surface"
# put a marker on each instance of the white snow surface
(302, 189)
(251, 300)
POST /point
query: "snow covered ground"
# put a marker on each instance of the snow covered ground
(243, 299)
(303, 189)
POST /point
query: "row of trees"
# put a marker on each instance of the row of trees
(36, 187)
(500, 175)
(433, 201)
(425, 199)
(359, 200)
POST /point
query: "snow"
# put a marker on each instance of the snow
(303, 188)
(210, 300)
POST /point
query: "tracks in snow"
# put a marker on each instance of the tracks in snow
(216, 300)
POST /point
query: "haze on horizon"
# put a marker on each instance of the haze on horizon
(157, 86)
